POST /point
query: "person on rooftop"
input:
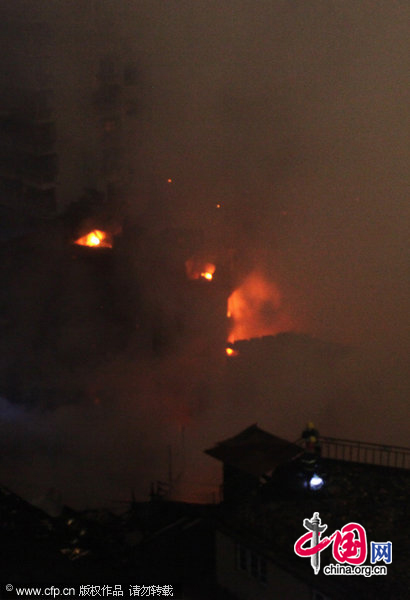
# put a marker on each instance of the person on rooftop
(310, 437)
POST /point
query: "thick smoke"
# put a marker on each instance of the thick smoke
(292, 117)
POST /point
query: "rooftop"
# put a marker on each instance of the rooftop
(254, 451)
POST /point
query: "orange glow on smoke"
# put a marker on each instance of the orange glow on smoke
(95, 238)
(256, 309)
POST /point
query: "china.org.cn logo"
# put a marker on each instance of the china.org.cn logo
(349, 547)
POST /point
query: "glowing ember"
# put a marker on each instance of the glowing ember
(95, 238)
(255, 309)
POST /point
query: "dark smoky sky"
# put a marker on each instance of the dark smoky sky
(295, 115)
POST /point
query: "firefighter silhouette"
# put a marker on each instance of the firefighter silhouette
(310, 438)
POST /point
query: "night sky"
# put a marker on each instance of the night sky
(294, 117)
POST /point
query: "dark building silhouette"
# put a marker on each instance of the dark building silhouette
(69, 88)
(248, 458)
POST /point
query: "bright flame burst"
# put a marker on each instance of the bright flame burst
(255, 309)
(95, 238)
(207, 275)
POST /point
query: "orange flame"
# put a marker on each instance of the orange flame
(208, 276)
(255, 309)
(95, 238)
(230, 351)
(198, 269)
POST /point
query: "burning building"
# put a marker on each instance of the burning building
(105, 285)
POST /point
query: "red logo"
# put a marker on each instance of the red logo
(349, 543)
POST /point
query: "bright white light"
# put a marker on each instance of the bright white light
(316, 482)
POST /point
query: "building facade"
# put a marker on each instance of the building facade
(68, 104)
